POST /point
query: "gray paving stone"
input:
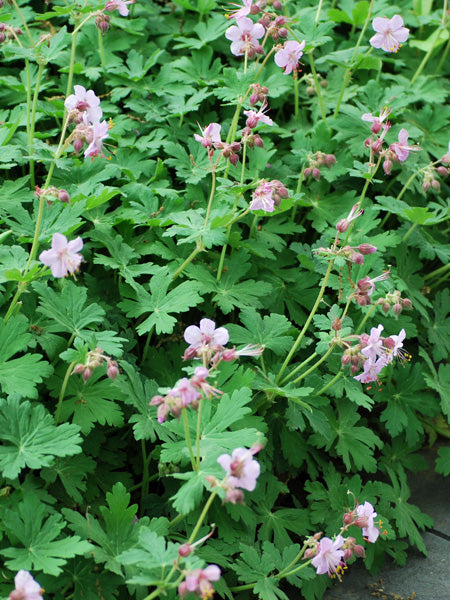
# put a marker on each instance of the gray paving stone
(428, 577)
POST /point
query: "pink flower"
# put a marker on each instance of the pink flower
(263, 197)
(242, 469)
(330, 556)
(376, 121)
(242, 11)
(390, 33)
(85, 102)
(256, 117)
(94, 137)
(344, 224)
(374, 344)
(288, 57)
(26, 588)
(205, 335)
(120, 5)
(394, 345)
(244, 37)
(185, 392)
(365, 516)
(401, 148)
(63, 257)
(371, 370)
(210, 135)
(198, 582)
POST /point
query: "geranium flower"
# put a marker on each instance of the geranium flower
(242, 469)
(390, 33)
(95, 136)
(254, 117)
(376, 121)
(242, 11)
(86, 102)
(371, 370)
(365, 516)
(244, 37)
(401, 148)
(263, 198)
(26, 588)
(198, 582)
(374, 343)
(63, 257)
(205, 335)
(120, 5)
(330, 556)
(289, 55)
(210, 135)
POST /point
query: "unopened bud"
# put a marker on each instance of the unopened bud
(283, 32)
(277, 5)
(342, 225)
(387, 166)
(78, 145)
(257, 141)
(357, 258)
(397, 308)
(375, 127)
(359, 551)
(229, 354)
(345, 360)
(234, 159)
(330, 159)
(443, 171)
(435, 184)
(366, 249)
(310, 90)
(426, 185)
(112, 372)
(323, 83)
(310, 553)
(253, 99)
(2, 37)
(406, 303)
(385, 307)
(156, 401)
(184, 550)
(316, 173)
(348, 518)
(307, 172)
(63, 196)
(254, 10)
(79, 368)
(336, 325)
(102, 22)
(348, 553)
(446, 159)
(87, 374)
(354, 369)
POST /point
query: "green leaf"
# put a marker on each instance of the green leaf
(72, 473)
(160, 303)
(35, 546)
(439, 330)
(443, 461)
(24, 372)
(269, 331)
(30, 438)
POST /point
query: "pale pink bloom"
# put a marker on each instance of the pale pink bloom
(401, 148)
(120, 5)
(394, 346)
(242, 11)
(365, 516)
(63, 257)
(94, 137)
(210, 135)
(255, 117)
(390, 33)
(263, 197)
(26, 588)
(205, 335)
(330, 555)
(244, 37)
(85, 102)
(185, 392)
(198, 380)
(373, 344)
(376, 121)
(366, 285)
(198, 582)
(371, 370)
(289, 55)
(242, 469)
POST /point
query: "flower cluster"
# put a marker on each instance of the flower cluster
(63, 257)
(288, 57)
(317, 160)
(241, 470)
(94, 359)
(26, 588)
(430, 173)
(211, 140)
(398, 151)
(52, 193)
(352, 254)
(267, 195)
(9, 33)
(208, 343)
(373, 352)
(83, 108)
(390, 33)
(330, 555)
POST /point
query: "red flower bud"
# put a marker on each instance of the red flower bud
(366, 249)
(185, 550)
(316, 173)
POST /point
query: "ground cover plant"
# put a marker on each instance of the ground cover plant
(223, 267)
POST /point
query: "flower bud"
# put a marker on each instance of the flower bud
(316, 173)
(307, 172)
(385, 307)
(63, 196)
(323, 83)
(446, 159)
(310, 90)
(229, 354)
(283, 32)
(156, 401)
(78, 145)
(397, 308)
(2, 37)
(354, 369)
(112, 372)
(330, 159)
(357, 258)
(102, 22)
(253, 99)
(348, 517)
(87, 374)
(342, 225)
(336, 325)
(366, 249)
(387, 166)
(375, 127)
(406, 303)
(389, 343)
(359, 551)
(184, 550)
(435, 184)
(376, 146)
(257, 141)
(348, 553)
(79, 368)
(443, 171)
(310, 553)
(234, 159)
(345, 360)
(426, 185)
(277, 5)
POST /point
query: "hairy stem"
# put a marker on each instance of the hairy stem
(188, 439)
(63, 390)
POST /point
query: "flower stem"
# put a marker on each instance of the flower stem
(318, 90)
(198, 248)
(71, 63)
(63, 390)
(201, 518)
(319, 8)
(198, 432)
(33, 120)
(426, 58)
(329, 384)
(315, 365)
(16, 6)
(308, 321)
(296, 99)
(188, 439)
(298, 367)
(438, 271)
(350, 67)
(409, 232)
